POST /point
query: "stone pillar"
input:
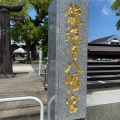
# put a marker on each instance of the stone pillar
(67, 66)
(5, 45)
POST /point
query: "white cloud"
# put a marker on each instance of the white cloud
(105, 10)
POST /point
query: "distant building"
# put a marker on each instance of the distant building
(113, 40)
(107, 48)
(19, 44)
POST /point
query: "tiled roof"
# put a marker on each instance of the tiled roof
(100, 39)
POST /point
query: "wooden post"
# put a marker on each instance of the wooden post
(5, 42)
(5, 49)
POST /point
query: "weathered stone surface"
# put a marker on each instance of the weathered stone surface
(59, 58)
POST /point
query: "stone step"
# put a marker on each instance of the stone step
(103, 72)
(103, 67)
(103, 63)
(103, 84)
(104, 77)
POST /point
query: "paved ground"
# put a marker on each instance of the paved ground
(104, 112)
(36, 68)
(25, 83)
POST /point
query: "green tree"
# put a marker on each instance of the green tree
(41, 8)
(116, 8)
(44, 37)
(27, 33)
(33, 30)
(41, 17)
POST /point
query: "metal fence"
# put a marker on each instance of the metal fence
(26, 98)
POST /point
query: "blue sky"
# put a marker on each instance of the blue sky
(32, 13)
(102, 20)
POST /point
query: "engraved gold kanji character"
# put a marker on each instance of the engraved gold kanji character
(73, 103)
(74, 50)
(68, 37)
(75, 20)
(70, 10)
(68, 81)
(68, 67)
(73, 82)
(72, 37)
(72, 33)
(73, 13)
(76, 83)
(77, 66)
(73, 29)
(77, 10)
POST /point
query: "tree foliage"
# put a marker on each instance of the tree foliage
(41, 7)
(30, 30)
(44, 37)
(116, 8)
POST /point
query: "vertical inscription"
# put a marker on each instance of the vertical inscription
(73, 82)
